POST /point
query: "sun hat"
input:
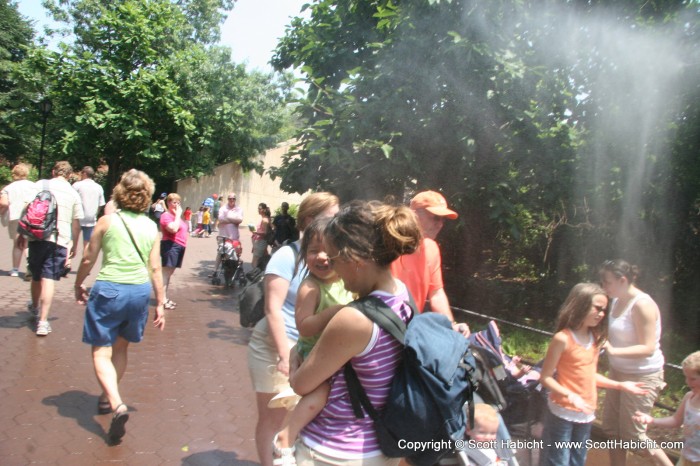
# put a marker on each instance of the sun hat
(434, 203)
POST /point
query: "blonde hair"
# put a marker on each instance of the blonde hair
(134, 191)
(485, 414)
(172, 197)
(577, 306)
(374, 231)
(692, 362)
(20, 171)
(312, 206)
(62, 168)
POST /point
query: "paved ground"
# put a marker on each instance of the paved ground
(187, 387)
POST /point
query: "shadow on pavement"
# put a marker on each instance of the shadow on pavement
(80, 406)
(215, 457)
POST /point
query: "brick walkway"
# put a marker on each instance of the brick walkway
(187, 388)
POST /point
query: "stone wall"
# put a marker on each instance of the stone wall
(250, 188)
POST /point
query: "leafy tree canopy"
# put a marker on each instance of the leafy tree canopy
(137, 85)
(16, 36)
(554, 128)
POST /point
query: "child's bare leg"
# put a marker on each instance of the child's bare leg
(305, 411)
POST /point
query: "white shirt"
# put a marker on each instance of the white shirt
(228, 229)
(93, 197)
(19, 193)
(69, 204)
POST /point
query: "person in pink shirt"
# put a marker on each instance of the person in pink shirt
(173, 243)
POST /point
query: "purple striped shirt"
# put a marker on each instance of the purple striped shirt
(336, 431)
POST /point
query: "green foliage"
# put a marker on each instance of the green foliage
(16, 139)
(548, 126)
(138, 87)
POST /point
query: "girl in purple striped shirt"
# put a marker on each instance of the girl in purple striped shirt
(362, 241)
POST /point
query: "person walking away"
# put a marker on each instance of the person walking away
(686, 416)
(422, 270)
(117, 305)
(320, 296)
(174, 242)
(362, 240)
(570, 372)
(13, 199)
(634, 354)
(285, 227)
(93, 197)
(47, 258)
(259, 235)
(276, 333)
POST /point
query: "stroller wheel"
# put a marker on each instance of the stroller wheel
(239, 277)
(216, 281)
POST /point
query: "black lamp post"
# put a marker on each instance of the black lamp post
(45, 107)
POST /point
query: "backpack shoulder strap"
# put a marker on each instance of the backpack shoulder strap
(378, 312)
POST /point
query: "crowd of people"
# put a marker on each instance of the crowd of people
(314, 266)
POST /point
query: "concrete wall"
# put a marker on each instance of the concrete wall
(250, 188)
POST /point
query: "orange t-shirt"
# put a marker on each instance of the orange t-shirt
(420, 271)
(576, 371)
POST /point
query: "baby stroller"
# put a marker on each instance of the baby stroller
(229, 264)
(520, 386)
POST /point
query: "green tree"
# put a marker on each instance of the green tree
(16, 36)
(138, 86)
(548, 125)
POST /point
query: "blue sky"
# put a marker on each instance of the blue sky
(251, 30)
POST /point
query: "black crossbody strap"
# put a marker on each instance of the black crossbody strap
(133, 241)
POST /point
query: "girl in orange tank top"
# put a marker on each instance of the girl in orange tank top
(570, 374)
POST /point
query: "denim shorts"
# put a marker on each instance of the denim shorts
(116, 309)
(171, 254)
(46, 260)
(87, 233)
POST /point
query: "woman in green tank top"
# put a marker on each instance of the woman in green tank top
(117, 305)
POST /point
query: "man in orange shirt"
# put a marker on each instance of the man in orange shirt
(422, 270)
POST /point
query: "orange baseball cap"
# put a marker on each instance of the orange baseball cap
(434, 203)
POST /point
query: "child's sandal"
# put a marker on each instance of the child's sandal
(282, 456)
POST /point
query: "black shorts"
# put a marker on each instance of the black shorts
(46, 260)
(171, 254)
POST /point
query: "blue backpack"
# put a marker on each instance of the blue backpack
(428, 393)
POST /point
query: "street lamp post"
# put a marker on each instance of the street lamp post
(45, 107)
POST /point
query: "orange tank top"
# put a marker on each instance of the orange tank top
(577, 371)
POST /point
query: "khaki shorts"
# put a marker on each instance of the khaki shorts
(262, 361)
(259, 248)
(619, 406)
(305, 456)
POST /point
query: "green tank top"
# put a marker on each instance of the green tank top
(120, 260)
(331, 294)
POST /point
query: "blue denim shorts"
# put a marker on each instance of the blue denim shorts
(87, 233)
(116, 309)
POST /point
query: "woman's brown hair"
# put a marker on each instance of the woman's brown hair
(134, 191)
